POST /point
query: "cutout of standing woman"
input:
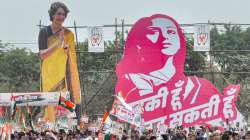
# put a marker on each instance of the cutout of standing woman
(59, 70)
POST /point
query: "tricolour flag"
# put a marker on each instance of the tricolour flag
(30, 118)
(23, 121)
(67, 104)
(105, 116)
(13, 107)
(106, 124)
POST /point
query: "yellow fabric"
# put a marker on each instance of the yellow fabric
(53, 67)
(74, 76)
(54, 71)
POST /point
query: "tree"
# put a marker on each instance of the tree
(234, 63)
(195, 61)
(19, 71)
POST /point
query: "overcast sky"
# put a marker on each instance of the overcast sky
(18, 18)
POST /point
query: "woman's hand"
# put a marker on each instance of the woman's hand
(61, 38)
(62, 42)
(61, 35)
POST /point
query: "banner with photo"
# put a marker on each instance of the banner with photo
(201, 37)
(151, 78)
(32, 99)
(95, 39)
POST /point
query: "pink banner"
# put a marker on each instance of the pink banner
(150, 75)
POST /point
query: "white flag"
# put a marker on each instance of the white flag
(95, 39)
(201, 37)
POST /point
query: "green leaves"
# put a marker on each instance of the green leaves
(19, 71)
(234, 64)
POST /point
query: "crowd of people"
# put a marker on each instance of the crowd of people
(192, 133)
(53, 135)
(179, 133)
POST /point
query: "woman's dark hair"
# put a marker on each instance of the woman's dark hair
(54, 7)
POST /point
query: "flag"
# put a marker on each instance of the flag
(6, 131)
(105, 115)
(30, 118)
(13, 107)
(106, 121)
(13, 110)
(23, 121)
(95, 39)
(67, 104)
(105, 124)
(201, 37)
